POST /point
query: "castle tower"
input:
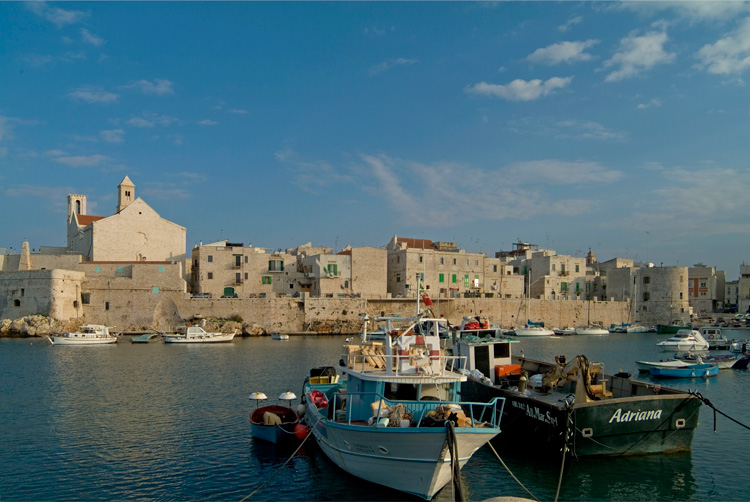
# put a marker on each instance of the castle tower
(125, 193)
(590, 258)
(76, 205)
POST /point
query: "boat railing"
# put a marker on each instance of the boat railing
(480, 414)
(399, 364)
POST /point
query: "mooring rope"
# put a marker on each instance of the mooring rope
(450, 432)
(511, 473)
(711, 405)
(309, 433)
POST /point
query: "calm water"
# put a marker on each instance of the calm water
(169, 422)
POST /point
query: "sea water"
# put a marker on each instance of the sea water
(170, 422)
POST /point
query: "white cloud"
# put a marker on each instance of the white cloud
(93, 95)
(582, 129)
(389, 64)
(309, 175)
(520, 90)
(208, 122)
(637, 54)
(151, 119)
(558, 172)
(54, 153)
(690, 10)
(60, 17)
(159, 87)
(37, 60)
(113, 135)
(570, 23)
(140, 122)
(729, 55)
(82, 160)
(563, 52)
(238, 111)
(655, 103)
(90, 38)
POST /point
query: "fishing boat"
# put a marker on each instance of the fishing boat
(685, 340)
(716, 340)
(394, 418)
(692, 371)
(591, 330)
(723, 361)
(279, 336)
(274, 423)
(532, 328)
(572, 405)
(87, 334)
(196, 334)
(645, 366)
(637, 328)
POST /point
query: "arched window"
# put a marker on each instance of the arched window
(16, 303)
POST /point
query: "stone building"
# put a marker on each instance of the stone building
(662, 294)
(446, 271)
(706, 289)
(743, 290)
(134, 233)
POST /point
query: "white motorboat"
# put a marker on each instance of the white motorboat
(279, 336)
(88, 334)
(685, 340)
(591, 330)
(395, 418)
(196, 334)
(532, 330)
(637, 328)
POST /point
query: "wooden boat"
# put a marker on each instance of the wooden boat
(693, 371)
(145, 338)
(88, 334)
(395, 419)
(573, 405)
(645, 366)
(725, 361)
(196, 334)
(274, 423)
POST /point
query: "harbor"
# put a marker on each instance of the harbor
(164, 421)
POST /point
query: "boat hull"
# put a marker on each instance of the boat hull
(697, 371)
(591, 331)
(224, 338)
(623, 426)
(411, 460)
(62, 340)
(533, 331)
(281, 433)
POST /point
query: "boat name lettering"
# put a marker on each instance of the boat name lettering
(635, 416)
(536, 413)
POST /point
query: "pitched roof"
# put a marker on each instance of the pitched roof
(85, 220)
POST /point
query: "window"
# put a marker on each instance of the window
(97, 270)
(161, 270)
(119, 270)
(703, 284)
(275, 266)
(442, 261)
(291, 286)
(346, 284)
(453, 278)
(16, 303)
(646, 296)
(421, 259)
(238, 278)
(106, 305)
(578, 287)
(85, 298)
(467, 262)
(245, 275)
(563, 286)
(553, 267)
(398, 277)
(494, 268)
(237, 260)
(441, 277)
(466, 280)
(646, 280)
(680, 295)
(333, 269)
(476, 262)
(156, 290)
(210, 258)
(266, 279)
(578, 268)
(210, 275)
(454, 261)
(421, 276)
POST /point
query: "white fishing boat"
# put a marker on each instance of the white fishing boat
(685, 340)
(394, 417)
(279, 336)
(533, 330)
(88, 334)
(591, 330)
(196, 334)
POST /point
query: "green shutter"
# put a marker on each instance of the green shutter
(454, 278)
(441, 278)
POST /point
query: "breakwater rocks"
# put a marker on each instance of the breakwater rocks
(31, 325)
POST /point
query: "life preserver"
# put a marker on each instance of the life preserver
(710, 337)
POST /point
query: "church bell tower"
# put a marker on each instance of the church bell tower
(125, 193)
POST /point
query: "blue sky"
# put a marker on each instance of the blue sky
(621, 127)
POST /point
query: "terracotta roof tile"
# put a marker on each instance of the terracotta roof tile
(85, 220)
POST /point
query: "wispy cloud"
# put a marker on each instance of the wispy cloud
(38, 60)
(582, 129)
(729, 55)
(563, 52)
(637, 54)
(150, 120)
(113, 135)
(520, 90)
(558, 172)
(91, 39)
(93, 95)
(570, 23)
(238, 111)
(159, 87)
(208, 122)
(390, 64)
(82, 160)
(55, 15)
(652, 103)
(309, 175)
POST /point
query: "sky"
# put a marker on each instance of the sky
(618, 127)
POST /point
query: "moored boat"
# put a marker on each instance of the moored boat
(591, 330)
(685, 340)
(394, 419)
(716, 340)
(274, 423)
(645, 366)
(87, 334)
(725, 361)
(692, 371)
(144, 338)
(196, 334)
(574, 405)
(279, 336)
(533, 329)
